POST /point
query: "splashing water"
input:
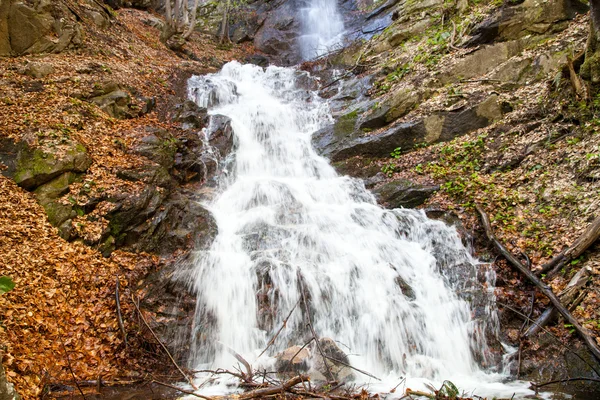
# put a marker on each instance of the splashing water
(395, 287)
(322, 28)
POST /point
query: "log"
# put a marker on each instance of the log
(581, 244)
(567, 296)
(545, 289)
(269, 391)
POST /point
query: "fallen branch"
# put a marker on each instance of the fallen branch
(581, 244)
(545, 289)
(246, 377)
(567, 296)
(62, 342)
(182, 390)
(188, 378)
(335, 360)
(283, 325)
(539, 385)
(269, 391)
(119, 316)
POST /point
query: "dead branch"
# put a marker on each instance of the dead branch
(581, 244)
(62, 342)
(268, 391)
(119, 315)
(248, 376)
(283, 325)
(545, 289)
(335, 360)
(539, 385)
(188, 378)
(567, 296)
(182, 390)
(312, 329)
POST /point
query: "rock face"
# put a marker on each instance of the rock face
(343, 140)
(44, 26)
(278, 33)
(403, 193)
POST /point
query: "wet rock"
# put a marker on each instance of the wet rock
(220, 134)
(34, 166)
(293, 359)
(278, 34)
(39, 69)
(340, 372)
(7, 390)
(340, 141)
(159, 146)
(375, 180)
(258, 59)
(403, 194)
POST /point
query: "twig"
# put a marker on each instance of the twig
(62, 342)
(248, 377)
(287, 385)
(283, 325)
(182, 390)
(351, 367)
(119, 316)
(536, 385)
(188, 378)
(545, 289)
(312, 329)
(560, 343)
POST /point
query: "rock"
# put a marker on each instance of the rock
(39, 69)
(191, 115)
(529, 18)
(482, 61)
(394, 106)
(39, 28)
(258, 59)
(340, 372)
(159, 146)
(530, 69)
(278, 34)
(403, 194)
(7, 390)
(58, 214)
(338, 144)
(55, 188)
(220, 134)
(116, 104)
(35, 167)
(151, 174)
(293, 360)
(140, 4)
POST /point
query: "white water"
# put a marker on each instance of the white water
(284, 213)
(322, 28)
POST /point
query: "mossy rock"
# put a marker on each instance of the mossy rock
(35, 167)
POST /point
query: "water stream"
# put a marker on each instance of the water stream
(399, 292)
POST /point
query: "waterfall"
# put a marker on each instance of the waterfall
(398, 290)
(322, 28)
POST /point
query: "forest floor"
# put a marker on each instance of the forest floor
(59, 323)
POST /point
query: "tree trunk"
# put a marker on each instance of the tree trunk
(225, 24)
(590, 70)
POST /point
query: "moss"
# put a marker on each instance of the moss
(346, 124)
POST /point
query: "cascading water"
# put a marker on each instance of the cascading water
(394, 287)
(322, 28)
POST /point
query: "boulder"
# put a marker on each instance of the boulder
(338, 144)
(339, 370)
(220, 134)
(190, 115)
(158, 146)
(7, 390)
(403, 194)
(277, 37)
(294, 359)
(531, 17)
(35, 166)
(151, 174)
(116, 103)
(394, 106)
(41, 27)
(39, 69)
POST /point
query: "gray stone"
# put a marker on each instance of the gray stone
(190, 114)
(116, 104)
(293, 359)
(39, 69)
(7, 390)
(335, 361)
(404, 194)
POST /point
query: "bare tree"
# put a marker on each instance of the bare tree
(180, 18)
(590, 70)
(224, 36)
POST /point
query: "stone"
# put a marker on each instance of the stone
(35, 167)
(7, 389)
(116, 104)
(158, 146)
(39, 69)
(293, 359)
(338, 144)
(220, 134)
(404, 194)
(482, 61)
(340, 372)
(55, 188)
(277, 36)
(151, 174)
(258, 59)
(190, 115)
